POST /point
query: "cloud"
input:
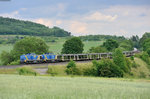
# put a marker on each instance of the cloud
(100, 17)
(78, 28)
(46, 22)
(13, 14)
(113, 20)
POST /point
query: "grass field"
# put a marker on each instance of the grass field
(32, 87)
(56, 46)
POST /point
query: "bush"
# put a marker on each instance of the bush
(26, 71)
(106, 68)
(52, 70)
(148, 51)
(72, 69)
(6, 58)
(145, 57)
(89, 72)
(132, 57)
(128, 63)
(15, 62)
(119, 60)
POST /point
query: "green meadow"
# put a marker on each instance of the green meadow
(41, 87)
(56, 47)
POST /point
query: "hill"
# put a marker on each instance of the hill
(9, 26)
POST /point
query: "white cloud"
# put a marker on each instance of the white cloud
(58, 22)
(78, 28)
(13, 14)
(43, 21)
(100, 17)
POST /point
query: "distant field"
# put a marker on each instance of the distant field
(30, 87)
(56, 46)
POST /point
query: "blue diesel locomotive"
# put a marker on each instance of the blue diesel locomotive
(33, 58)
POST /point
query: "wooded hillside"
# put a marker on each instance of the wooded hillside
(9, 26)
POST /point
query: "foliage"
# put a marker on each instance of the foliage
(119, 60)
(29, 45)
(148, 51)
(6, 58)
(126, 45)
(26, 71)
(18, 27)
(132, 57)
(73, 46)
(24, 46)
(145, 57)
(145, 36)
(17, 62)
(128, 64)
(110, 44)
(146, 44)
(52, 70)
(72, 69)
(89, 72)
(106, 68)
(135, 40)
(97, 49)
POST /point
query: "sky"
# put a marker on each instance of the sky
(84, 17)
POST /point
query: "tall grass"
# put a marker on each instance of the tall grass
(36, 87)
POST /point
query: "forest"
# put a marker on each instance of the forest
(9, 26)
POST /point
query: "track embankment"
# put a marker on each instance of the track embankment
(43, 64)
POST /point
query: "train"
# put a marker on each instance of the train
(32, 58)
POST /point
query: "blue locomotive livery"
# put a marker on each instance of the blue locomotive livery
(33, 58)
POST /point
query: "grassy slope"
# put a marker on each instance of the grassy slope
(141, 68)
(30, 87)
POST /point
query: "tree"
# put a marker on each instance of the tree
(110, 44)
(146, 44)
(148, 51)
(6, 58)
(144, 37)
(119, 60)
(29, 45)
(72, 69)
(126, 45)
(73, 46)
(135, 40)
